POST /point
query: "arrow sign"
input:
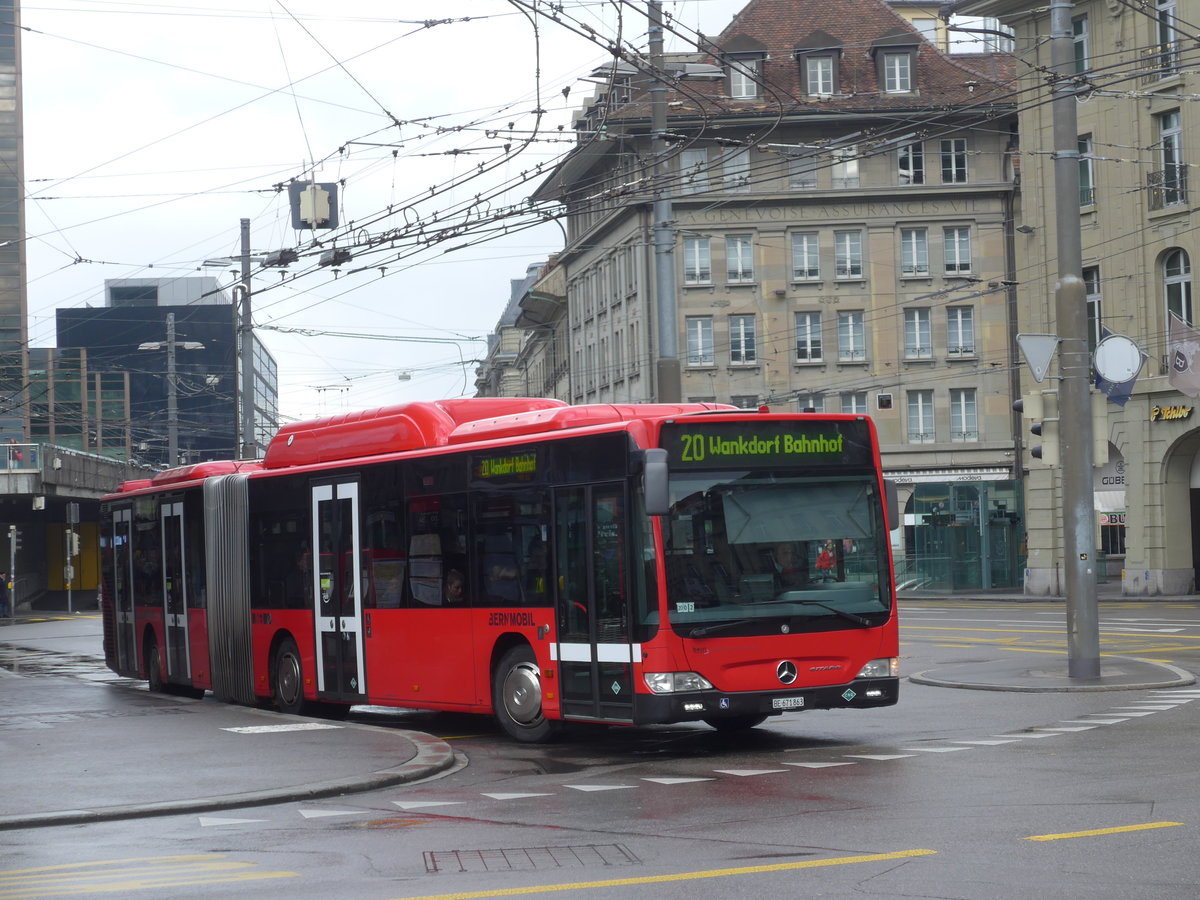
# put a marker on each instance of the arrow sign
(1038, 350)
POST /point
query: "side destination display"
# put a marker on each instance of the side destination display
(754, 445)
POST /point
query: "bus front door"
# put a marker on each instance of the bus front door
(175, 620)
(337, 593)
(595, 657)
(122, 583)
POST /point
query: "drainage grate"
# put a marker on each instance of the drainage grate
(528, 858)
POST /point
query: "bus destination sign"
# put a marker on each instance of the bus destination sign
(509, 467)
(753, 445)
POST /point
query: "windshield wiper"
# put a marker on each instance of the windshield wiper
(720, 626)
(853, 617)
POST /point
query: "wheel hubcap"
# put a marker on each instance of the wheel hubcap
(523, 694)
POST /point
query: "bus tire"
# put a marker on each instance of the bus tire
(154, 671)
(735, 723)
(287, 678)
(517, 697)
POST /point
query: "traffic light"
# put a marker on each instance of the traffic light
(1041, 407)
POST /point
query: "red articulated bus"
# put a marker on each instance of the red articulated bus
(540, 562)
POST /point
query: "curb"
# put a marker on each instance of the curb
(1177, 678)
(433, 756)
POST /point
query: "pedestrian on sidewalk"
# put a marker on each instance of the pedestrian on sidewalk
(5, 595)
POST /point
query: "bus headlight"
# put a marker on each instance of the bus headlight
(881, 668)
(675, 682)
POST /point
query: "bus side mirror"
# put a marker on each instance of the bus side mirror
(892, 502)
(654, 482)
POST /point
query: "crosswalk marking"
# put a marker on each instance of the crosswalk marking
(124, 876)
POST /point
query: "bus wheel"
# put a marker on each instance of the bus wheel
(735, 723)
(287, 682)
(517, 697)
(154, 673)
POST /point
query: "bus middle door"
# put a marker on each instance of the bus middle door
(595, 657)
(338, 595)
(122, 575)
(175, 620)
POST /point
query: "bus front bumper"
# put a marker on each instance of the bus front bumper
(862, 693)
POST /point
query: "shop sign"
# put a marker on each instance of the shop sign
(1169, 413)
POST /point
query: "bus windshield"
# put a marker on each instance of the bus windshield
(759, 553)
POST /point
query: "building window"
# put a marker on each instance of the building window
(802, 172)
(742, 347)
(910, 164)
(806, 263)
(848, 260)
(736, 168)
(818, 75)
(810, 403)
(918, 334)
(854, 403)
(1091, 282)
(700, 341)
(920, 417)
(957, 249)
(745, 74)
(852, 338)
(1079, 42)
(845, 167)
(697, 260)
(914, 251)
(928, 29)
(744, 401)
(897, 72)
(954, 161)
(1168, 186)
(1087, 184)
(1166, 13)
(739, 258)
(693, 164)
(964, 424)
(1177, 284)
(960, 331)
(808, 337)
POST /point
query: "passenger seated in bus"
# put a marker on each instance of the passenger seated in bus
(456, 588)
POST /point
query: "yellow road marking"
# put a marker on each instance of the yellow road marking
(682, 876)
(125, 875)
(1100, 831)
(1139, 636)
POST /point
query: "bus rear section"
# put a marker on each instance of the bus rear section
(779, 590)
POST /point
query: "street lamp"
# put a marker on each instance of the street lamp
(171, 345)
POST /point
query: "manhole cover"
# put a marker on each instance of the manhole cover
(528, 858)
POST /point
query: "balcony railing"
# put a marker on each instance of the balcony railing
(1167, 187)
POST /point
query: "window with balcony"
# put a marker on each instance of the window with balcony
(918, 334)
(848, 254)
(1079, 44)
(960, 331)
(1087, 173)
(699, 340)
(852, 337)
(1091, 282)
(1168, 186)
(914, 251)
(739, 258)
(697, 260)
(956, 246)
(743, 350)
(1167, 34)
(964, 424)
(808, 337)
(920, 417)
(806, 257)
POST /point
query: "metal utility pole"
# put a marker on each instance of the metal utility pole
(172, 397)
(669, 376)
(248, 445)
(1075, 421)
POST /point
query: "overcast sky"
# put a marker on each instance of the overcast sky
(152, 128)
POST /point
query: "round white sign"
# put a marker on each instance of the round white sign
(1117, 359)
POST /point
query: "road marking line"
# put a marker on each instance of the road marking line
(682, 876)
(1101, 831)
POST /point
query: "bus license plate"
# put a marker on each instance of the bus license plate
(787, 703)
